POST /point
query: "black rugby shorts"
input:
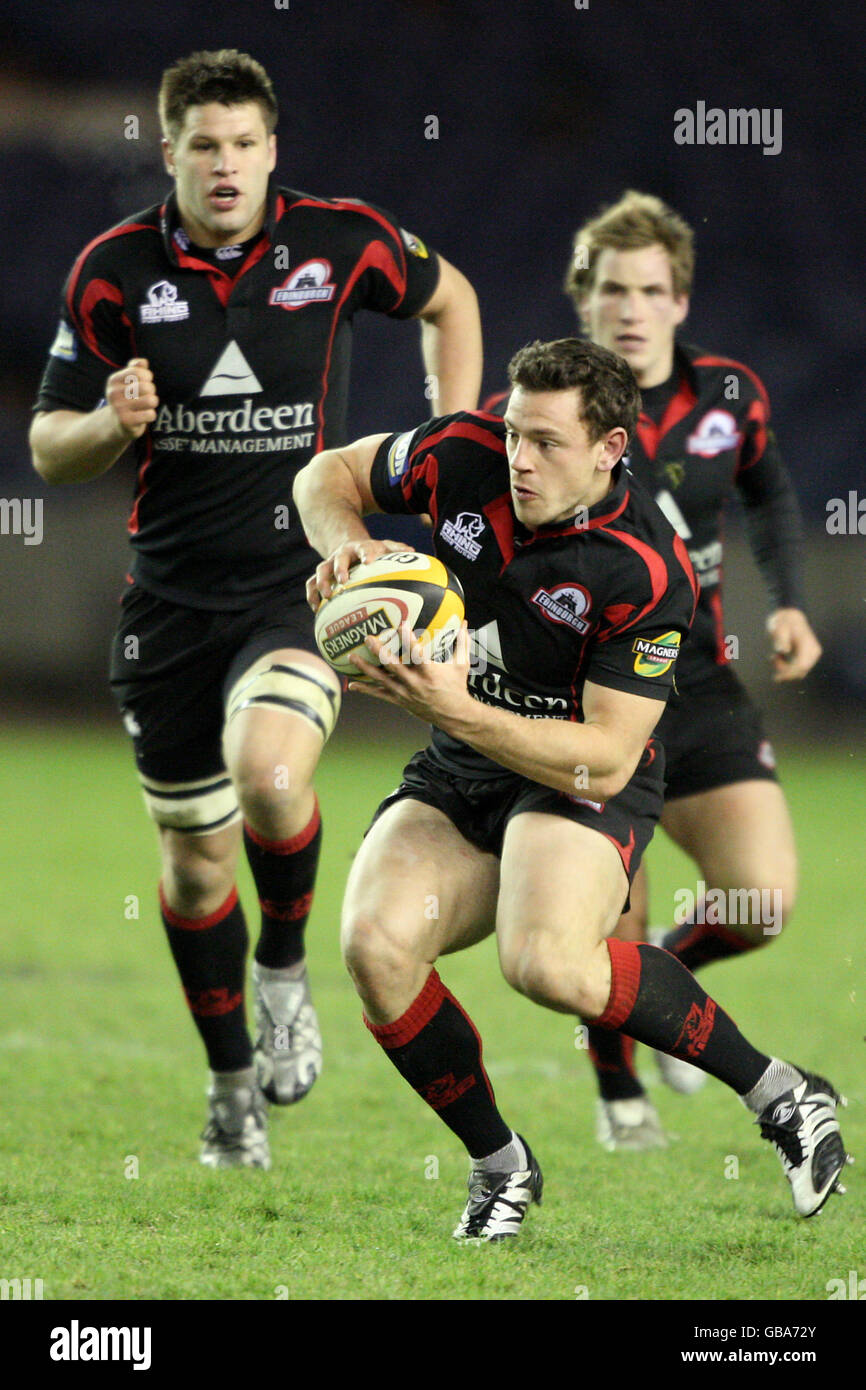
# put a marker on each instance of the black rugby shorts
(482, 808)
(172, 668)
(713, 736)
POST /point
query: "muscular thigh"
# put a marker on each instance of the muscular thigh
(418, 882)
(739, 835)
(559, 881)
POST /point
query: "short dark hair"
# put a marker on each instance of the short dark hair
(609, 395)
(224, 75)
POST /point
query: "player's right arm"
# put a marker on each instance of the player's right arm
(72, 446)
(332, 494)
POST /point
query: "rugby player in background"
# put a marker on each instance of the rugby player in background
(213, 334)
(703, 434)
(578, 592)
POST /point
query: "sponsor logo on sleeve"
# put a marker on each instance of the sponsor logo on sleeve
(310, 283)
(716, 433)
(462, 534)
(65, 345)
(652, 657)
(398, 456)
(163, 305)
(414, 245)
(565, 603)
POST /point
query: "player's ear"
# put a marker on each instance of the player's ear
(272, 153)
(681, 308)
(615, 444)
(168, 157)
(580, 308)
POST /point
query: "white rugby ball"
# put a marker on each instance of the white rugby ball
(404, 586)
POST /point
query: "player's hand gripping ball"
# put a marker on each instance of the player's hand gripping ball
(401, 587)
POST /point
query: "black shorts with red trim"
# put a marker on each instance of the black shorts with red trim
(713, 736)
(481, 808)
(172, 668)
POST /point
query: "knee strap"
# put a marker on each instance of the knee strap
(295, 689)
(199, 807)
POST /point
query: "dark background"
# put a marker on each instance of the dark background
(545, 111)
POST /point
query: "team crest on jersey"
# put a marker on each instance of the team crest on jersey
(716, 433)
(414, 245)
(163, 305)
(654, 657)
(310, 284)
(65, 345)
(565, 603)
(462, 534)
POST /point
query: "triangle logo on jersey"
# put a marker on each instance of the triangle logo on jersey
(485, 647)
(666, 503)
(232, 375)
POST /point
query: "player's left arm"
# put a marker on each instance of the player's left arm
(596, 758)
(451, 343)
(775, 532)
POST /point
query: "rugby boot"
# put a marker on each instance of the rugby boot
(288, 1048)
(236, 1134)
(498, 1202)
(631, 1124)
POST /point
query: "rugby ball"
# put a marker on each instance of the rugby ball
(401, 587)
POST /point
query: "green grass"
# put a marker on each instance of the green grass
(101, 1076)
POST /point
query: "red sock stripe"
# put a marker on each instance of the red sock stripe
(624, 982)
(197, 923)
(416, 1017)
(297, 842)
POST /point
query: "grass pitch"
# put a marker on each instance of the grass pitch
(102, 1083)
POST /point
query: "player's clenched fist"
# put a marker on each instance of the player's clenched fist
(131, 394)
(335, 570)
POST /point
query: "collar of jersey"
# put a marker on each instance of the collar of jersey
(600, 514)
(274, 208)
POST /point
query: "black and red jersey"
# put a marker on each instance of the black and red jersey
(250, 354)
(607, 600)
(702, 437)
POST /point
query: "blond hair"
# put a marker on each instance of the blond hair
(636, 221)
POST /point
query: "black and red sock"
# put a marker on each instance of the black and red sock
(210, 955)
(658, 1001)
(435, 1047)
(699, 943)
(285, 874)
(612, 1056)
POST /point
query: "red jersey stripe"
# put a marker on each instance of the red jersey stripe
(377, 255)
(97, 241)
(96, 291)
(658, 572)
